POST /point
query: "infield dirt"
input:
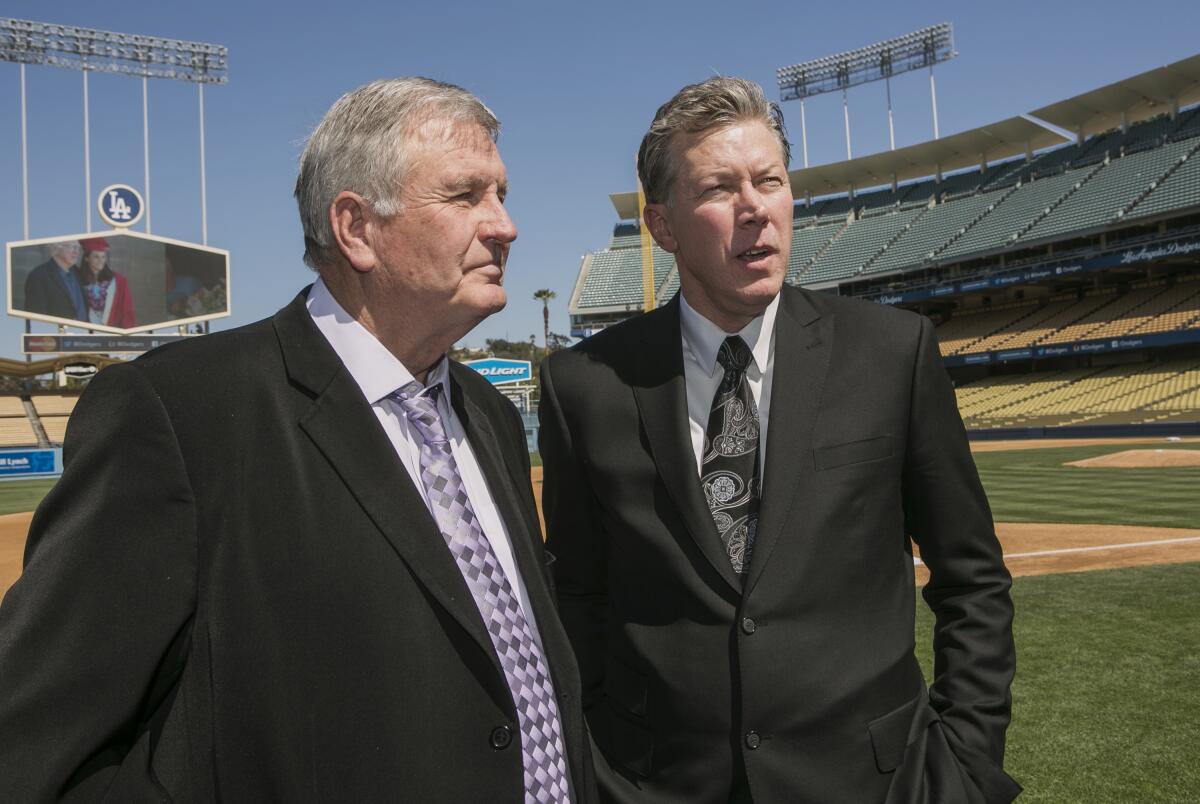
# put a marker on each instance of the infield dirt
(1141, 459)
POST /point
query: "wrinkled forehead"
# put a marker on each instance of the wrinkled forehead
(444, 132)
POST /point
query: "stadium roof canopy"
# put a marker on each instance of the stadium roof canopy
(1143, 96)
(1133, 99)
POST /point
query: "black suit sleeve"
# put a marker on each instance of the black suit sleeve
(576, 539)
(93, 634)
(35, 294)
(947, 515)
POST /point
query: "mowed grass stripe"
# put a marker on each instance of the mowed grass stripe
(19, 496)
(1104, 701)
(1035, 486)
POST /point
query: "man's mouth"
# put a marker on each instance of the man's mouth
(756, 253)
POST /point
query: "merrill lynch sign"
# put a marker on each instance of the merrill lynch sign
(499, 370)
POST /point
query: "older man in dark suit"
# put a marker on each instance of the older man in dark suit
(732, 484)
(52, 288)
(300, 561)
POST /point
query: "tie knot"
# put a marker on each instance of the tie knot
(734, 355)
(420, 406)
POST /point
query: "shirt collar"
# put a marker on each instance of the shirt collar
(704, 338)
(376, 370)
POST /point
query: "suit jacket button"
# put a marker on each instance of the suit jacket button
(501, 737)
(753, 740)
(749, 626)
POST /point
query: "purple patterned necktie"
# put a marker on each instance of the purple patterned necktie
(519, 653)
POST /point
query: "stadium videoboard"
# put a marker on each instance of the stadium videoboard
(118, 281)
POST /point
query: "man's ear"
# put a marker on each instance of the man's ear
(655, 219)
(348, 218)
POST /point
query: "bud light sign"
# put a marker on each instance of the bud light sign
(120, 205)
(499, 370)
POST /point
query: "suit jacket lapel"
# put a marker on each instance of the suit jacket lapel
(505, 479)
(510, 487)
(344, 428)
(661, 394)
(803, 343)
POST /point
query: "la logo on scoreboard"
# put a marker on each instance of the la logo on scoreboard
(120, 205)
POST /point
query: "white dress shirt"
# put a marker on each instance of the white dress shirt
(379, 373)
(702, 340)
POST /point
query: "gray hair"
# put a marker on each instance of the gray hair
(361, 146)
(73, 246)
(715, 103)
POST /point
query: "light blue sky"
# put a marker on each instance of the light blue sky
(574, 85)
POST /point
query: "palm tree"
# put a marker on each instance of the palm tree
(544, 296)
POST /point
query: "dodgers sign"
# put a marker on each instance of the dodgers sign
(120, 205)
(499, 370)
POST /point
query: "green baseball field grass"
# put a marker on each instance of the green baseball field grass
(1033, 486)
(18, 496)
(1105, 703)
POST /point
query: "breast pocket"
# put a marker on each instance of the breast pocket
(852, 452)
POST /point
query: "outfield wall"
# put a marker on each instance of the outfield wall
(18, 464)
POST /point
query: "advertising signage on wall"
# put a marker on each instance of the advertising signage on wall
(117, 282)
(499, 370)
(29, 462)
(1046, 271)
(38, 344)
(1150, 341)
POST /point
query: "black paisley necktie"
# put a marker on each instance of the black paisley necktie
(729, 467)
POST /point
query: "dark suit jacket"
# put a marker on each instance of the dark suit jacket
(236, 593)
(45, 294)
(808, 674)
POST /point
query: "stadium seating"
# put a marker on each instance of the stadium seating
(626, 241)
(1090, 326)
(987, 399)
(1112, 188)
(669, 288)
(54, 404)
(922, 239)
(614, 277)
(1179, 190)
(807, 243)
(1182, 392)
(1101, 313)
(1187, 124)
(959, 334)
(1025, 331)
(1000, 226)
(1115, 395)
(16, 432)
(856, 245)
(15, 427)
(55, 427)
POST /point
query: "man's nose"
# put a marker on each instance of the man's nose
(499, 225)
(752, 206)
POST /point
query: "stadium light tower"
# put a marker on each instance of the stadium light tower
(882, 60)
(90, 50)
